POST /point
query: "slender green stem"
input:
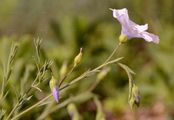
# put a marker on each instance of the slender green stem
(7, 68)
(94, 85)
(87, 73)
(46, 110)
(63, 79)
(84, 75)
(26, 93)
(30, 108)
(37, 43)
(110, 62)
(113, 52)
(2, 90)
(14, 108)
(80, 98)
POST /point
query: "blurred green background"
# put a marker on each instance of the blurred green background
(66, 25)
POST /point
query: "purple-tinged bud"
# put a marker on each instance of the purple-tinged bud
(55, 92)
(136, 94)
(135, 97)
(54, 88)
(73, 112)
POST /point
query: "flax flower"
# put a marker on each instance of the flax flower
(131, 29)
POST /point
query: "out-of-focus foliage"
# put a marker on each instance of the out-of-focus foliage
(65, 26)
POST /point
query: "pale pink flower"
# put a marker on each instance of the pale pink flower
(131, 29)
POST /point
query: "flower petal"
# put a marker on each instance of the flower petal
(120, 12)
(121, 15)
(141, 28)
(131, 29)
(150, 37)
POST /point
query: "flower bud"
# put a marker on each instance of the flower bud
(54, 88)
(136, 95)
(63, 70)
(123, 38)
(78, 58)
(72, 110)
(103, 73)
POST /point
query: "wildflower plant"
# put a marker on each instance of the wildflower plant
(44, 72)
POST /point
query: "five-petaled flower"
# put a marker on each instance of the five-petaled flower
(131, 29)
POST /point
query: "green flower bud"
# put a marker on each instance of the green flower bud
(63, 70)
(53, 82)
(72, 110)
(103, 73)
(78, 58)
